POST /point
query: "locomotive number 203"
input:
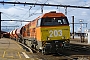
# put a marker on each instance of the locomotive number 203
(55, 33)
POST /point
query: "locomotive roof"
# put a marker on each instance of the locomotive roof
(52, 15)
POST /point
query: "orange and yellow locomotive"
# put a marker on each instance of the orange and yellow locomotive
(47, 33)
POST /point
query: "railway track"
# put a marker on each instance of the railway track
(56, 56)
(80, 48)
(69, 52)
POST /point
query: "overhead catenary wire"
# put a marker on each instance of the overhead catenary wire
(71, 6)
(31, 8)
(82, 5)
(37, 1)
(24, 15)
(6, 15)
(17, 20)
(15, 15)
(37, 9)
(9, 26)
(46, 4)
(21, 8)
(30, 14)
(34, 13)
(16, 0)
(8, 18)
(28, 11)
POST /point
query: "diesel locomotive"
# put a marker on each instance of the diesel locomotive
(47, 33)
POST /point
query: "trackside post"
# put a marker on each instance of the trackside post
(0, 25)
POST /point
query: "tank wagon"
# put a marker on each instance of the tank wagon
(6, 35)
(47, 33)
(11, 34)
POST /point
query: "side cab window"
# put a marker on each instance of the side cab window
(24, 29)
(38, 22)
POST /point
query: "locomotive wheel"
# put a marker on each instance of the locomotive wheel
(44, 51)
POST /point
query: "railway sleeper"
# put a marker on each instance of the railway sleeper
(53, 48)
(80, 48)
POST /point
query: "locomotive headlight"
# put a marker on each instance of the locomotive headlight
(41, 48)
(63, 37)
(48, 38)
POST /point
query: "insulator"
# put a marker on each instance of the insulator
(3, 2)
(42, 9)
(14, 4)
(57, 7)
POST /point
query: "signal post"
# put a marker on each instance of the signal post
(0, 25)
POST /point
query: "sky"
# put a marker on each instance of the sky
(29, 12)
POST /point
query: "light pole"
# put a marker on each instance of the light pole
(81, 24)
(0, 25)
(81, 21)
